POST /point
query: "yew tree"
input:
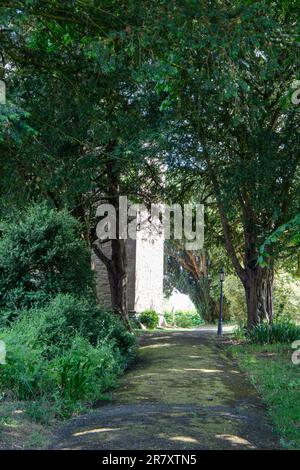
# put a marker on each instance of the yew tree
(227, 70)
(69, 70)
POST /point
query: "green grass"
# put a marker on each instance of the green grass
(277, 380)
(18, 431)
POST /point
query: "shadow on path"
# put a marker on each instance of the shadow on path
(181, 393)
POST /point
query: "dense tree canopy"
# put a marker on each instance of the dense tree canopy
(69, 67)
(228, 72)
(101, 94)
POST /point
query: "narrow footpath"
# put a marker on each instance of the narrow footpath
(181, 393)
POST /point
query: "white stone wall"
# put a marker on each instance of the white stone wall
(145, 270)
(149, 268)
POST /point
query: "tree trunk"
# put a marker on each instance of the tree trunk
(200, 296)
(258, 286)
(117, 275)
(116, 265)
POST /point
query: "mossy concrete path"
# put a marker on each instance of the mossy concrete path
(181, 393)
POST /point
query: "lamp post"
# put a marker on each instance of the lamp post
(222, 277)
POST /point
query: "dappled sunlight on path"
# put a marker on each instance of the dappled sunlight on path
(181, 393)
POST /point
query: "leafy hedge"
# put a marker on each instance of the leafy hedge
(64, 352)
(62, 349)
(41, 255)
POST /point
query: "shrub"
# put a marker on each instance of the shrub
(54, 326)
(110, 328)
(239, 332)
(235, 293)
(283, 331)
(286, 295)
(82, 372)
(41, 254)
(149, 318)
(85, 372)
(62, 349)
(184, 319)
(47, 328)
(65, 352)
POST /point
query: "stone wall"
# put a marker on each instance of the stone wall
(149, 270)
(102, 283)
(145, 271)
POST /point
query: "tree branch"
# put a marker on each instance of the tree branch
(99, 253)
(224, 221)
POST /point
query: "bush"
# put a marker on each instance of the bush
(110, 328)
(283, 331)
(42, 255)
(54, 326)
(67, 351)
(235, 293)
(286, 295)
(149, 318)
(51, 328)
(85, 372)
(26, 374)
(184, 319)
(62, 349)
(82, 372)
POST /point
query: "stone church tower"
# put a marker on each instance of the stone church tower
(145, 257)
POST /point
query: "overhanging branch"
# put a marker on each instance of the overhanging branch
(99, 253)
(224, 221)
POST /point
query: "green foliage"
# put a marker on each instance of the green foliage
(239, 332)
(186, 271)
(183, 319)
(84, 371)
(235, 295)
(54, 326)
(67, 352)
(41, 255)
(79, 147)
(287, 237)
(277, 379)
(189, 72)
(61, 348)
(283, 331)
(286, 296)
(108, 327)
(149, 318)
(221, 68)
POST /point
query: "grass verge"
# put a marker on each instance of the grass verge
(19, 432)
(277, 379)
